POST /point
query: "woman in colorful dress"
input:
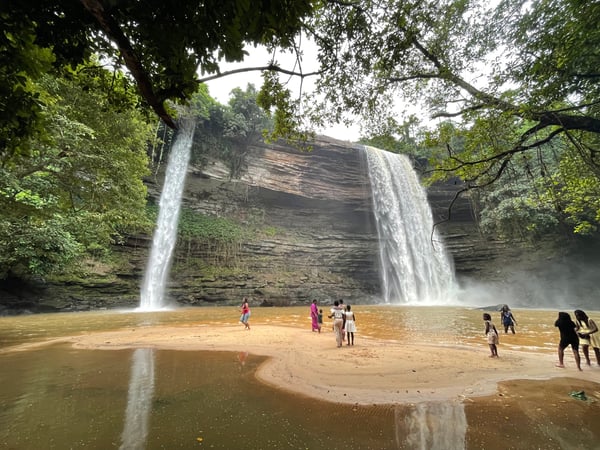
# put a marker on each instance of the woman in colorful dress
(314, 316)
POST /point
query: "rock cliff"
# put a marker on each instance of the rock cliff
(318, 237)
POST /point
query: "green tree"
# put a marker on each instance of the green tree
(79, 189)
(162, 43)
(248, 121)
(225, 131)
(512, 76)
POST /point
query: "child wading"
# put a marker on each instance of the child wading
(492, 335)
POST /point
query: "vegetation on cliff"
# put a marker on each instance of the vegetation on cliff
(513, 88)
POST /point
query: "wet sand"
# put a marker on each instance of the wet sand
(374, 371)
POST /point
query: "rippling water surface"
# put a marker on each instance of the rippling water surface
(57, 397)
(443, 325)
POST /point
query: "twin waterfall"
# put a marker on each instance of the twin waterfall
(415, 268)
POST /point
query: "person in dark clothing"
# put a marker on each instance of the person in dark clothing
(568, 336)
(508, 319)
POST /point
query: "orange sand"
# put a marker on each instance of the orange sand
(374, 371)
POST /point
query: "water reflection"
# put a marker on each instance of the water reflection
(56, 397)
(156, 399)
(432, 426)
(139, 400)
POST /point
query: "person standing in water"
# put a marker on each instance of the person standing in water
(350, 325)
(491, 334)
(588, 335)
(508, 320)
(245, 309)
(568, 336)
(314, 316)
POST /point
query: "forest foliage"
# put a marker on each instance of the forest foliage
(507, 93)
(502, 95)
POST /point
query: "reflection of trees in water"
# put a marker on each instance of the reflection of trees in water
(432, 426)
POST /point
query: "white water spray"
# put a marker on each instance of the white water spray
(165, 235)
(415, 267)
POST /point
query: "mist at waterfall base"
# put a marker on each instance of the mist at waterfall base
(563, 285)
(417, 270)
(165, 234)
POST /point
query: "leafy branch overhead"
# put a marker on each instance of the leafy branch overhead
(162, 43)
(466, 60)
(493, 81)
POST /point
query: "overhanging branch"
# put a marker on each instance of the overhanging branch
(133, 63)
(270, 67)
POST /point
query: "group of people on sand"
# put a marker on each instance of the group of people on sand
(581, 332)
(344, 321)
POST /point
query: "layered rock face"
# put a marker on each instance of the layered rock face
(316, 206)
(323, 241)
(318, 237)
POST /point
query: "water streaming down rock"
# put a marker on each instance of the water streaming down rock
(165, 234)
(415, 267)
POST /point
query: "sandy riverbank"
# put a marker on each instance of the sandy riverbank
(373, 371)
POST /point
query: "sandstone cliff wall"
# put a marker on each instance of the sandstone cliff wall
(321, 242)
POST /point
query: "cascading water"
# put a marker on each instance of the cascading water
(165, 235)
(415, 268)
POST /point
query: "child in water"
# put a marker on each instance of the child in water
(492, 335)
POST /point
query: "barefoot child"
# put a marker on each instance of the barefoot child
(350, 325)
(492, 335)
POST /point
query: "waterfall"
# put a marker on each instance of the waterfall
(165, 234)
(415, 267)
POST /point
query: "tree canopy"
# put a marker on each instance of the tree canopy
(79, 186)
(512, 78)
(162, 43)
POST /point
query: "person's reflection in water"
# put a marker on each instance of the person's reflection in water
(242, 356)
